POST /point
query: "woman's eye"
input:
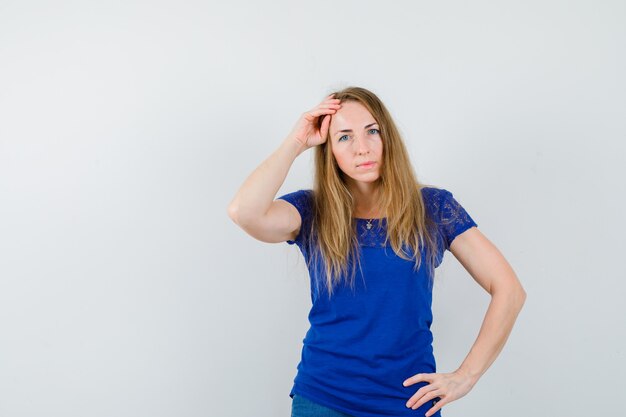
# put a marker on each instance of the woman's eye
(369, 130)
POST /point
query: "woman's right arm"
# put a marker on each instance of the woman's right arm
(253, 208)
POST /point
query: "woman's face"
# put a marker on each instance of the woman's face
(355, 140)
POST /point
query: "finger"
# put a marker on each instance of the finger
(420, 397)
(426, 398)
(415, 378)
(435, 408)
(325, 124)
(319, 111)
(328, 105)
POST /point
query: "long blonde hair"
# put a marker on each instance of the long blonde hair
(333, 238)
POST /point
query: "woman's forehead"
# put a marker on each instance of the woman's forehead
(351, 115)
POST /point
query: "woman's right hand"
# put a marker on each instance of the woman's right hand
(307, 130)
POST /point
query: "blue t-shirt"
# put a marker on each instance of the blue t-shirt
(365, 341)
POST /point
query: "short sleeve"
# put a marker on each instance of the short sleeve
(302, 200)
(453, 219)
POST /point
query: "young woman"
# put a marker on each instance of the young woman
(372, 236)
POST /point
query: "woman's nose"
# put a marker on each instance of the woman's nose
(361, 144)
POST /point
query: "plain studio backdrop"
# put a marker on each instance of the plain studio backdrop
(127, 127)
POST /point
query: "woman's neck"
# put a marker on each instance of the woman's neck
(367, 208)
(365, 197)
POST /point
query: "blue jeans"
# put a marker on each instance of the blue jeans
(303, 407)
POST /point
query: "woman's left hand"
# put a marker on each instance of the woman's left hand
(448, 387)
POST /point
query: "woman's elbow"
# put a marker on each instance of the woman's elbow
(232, 213)
(519, 296)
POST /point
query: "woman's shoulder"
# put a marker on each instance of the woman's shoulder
(432, 194)
(302, 199)
(436, 200)
(301, 194)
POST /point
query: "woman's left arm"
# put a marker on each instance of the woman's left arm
(490, 269)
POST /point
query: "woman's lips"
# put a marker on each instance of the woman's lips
(367, 166)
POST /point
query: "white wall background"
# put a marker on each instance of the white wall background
(126, 127)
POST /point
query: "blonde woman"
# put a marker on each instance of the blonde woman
(372, 235)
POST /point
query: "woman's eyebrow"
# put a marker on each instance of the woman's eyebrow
(350, 130)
